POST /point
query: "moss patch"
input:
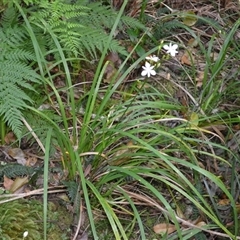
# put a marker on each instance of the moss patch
(19, 216)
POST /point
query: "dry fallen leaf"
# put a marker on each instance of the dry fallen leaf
(114, 62)
(17, 154)
(64, 197)
(18, 183)
(9, 138)
(87, 170)
(199, 79)
(187, 58)
(179, 212)
(109, 73)
(193, 42)
(7, 182)
(189, 18)
(31, 161)
(163, 228)
(114, 58)
(224, 202)
(214, 56)
(201, 223)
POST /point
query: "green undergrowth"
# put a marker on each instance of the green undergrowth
(133, 148)
(38, 37)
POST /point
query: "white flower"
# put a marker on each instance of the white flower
(171, 49)
(25, 234)
(148, 70)
(153, 58)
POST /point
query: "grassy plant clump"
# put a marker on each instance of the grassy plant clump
(147, 150)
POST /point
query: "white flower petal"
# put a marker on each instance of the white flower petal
(144, 73)
(171, 49)
(148, 70)
(153, 72)
(147, 65)
(173, 54)
(25, 234)
(166, 47)
(153, 58)
(174, 46)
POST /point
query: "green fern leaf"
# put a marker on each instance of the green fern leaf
(72, 189)
(81, 28)
(16, 77)
(9, 17)
(16, 170)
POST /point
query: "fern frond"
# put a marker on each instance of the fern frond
(27, 2)
(72, 189)
(12, 37)
(81, 28)
(9, 17)
(16, 76)
(132, 23)
(20, 54)
(70, 40)
(93, 39)
(18, 72)
(56, 13)
(12, 100)
(12, 116)
(164, 29)
(99, 16)
(16, 170)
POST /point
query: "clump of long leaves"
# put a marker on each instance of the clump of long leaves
(139, 153)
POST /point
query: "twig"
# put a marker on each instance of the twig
(79, 221)
(31, 193)
(33, 134)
